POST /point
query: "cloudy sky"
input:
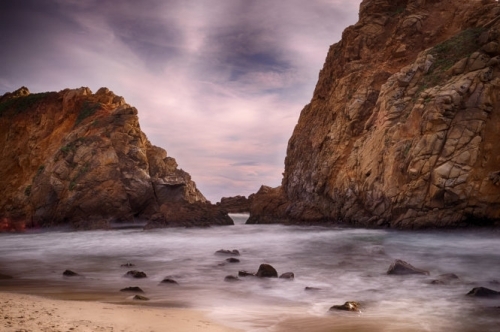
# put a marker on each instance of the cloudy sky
(219, 84)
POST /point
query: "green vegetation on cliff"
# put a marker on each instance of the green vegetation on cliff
(20, 104)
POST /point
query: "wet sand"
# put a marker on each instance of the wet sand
(28, 313)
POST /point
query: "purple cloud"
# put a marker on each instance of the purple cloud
(218, 83)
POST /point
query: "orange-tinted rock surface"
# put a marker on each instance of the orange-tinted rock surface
(403, 129)
(81, 158)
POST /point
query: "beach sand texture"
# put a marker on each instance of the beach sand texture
(27, 313)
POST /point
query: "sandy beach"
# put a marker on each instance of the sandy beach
(27, 313)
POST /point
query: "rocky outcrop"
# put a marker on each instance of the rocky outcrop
(196, 214)
(268, 206)
(235, 204)
(402, 130)
(81, 158)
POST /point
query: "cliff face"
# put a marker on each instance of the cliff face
(81, 158)
(403, 127)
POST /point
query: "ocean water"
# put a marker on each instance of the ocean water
(343, 264)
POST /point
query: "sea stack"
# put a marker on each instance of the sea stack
(79, 158)
(402, 129)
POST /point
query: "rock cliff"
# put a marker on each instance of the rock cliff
(81, 158)
(403, 127)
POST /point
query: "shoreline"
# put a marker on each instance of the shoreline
(24, 312)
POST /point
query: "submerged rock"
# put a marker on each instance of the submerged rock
(245, 274)
(69, 273)
(231, 278)
(232, 260)
(400, 267)
(483, 292)
(135, 274)
(287, 275)
(233, 252)
(132, 289)
(348, 306)
(312, 289)
(445, 279)
(266, 271)
(5, 277)
(169, 281)
(140, 298)
(127, 265)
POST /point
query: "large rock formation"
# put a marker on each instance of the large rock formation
(403, 127)
(81, 158)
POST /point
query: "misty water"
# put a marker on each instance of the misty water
(343, 264)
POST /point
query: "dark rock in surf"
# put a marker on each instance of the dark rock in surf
(5, 277)
(245, 274)
(483, 292)
(169, 281)
(233, 252)
(140, 298)
(135, 274)
(232, 260)
(445, 279)
(348, 306)
(400, 267)
(287, 275)
(132, 290)
(266, 271)
(312, 289)
(231, 279)
(69, 273)
(127, 265)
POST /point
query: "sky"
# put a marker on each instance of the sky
(219, 84)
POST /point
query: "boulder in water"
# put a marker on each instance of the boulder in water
(233, 252)
(348, 306)
(69, 273)
(127, 265)
(266, 271)
(140, 298)
(400, 267)
(169, 281)
(287, 275)
(5, 277)
(231, 279)
(232, 260)
(483, 292)
(135, 274)
(445, 279)
(245, 274)
(132, 289)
